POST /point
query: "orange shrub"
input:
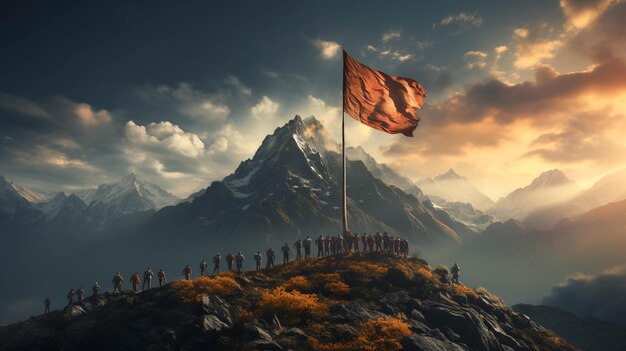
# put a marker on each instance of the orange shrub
(327, 283)
(427, 276)
(555, 340)
(378, 334)
(192, 290)
(299, 283)
(367, 268)
(290, 306)
(337, 288)
(464, 290)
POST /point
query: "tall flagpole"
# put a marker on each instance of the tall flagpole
(343, 145)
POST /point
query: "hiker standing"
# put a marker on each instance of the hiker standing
(80, 293)
(117, 283)
(187, 272)
(96, 289)
(455, 270)
(162, 277)
(298, 246)
(70, 297)
(203, 267)
(307, 247)
(257, 259)
(239, 261)
(135, 280)
(147, 278)
(270, 258)
(320, 246)
(229, 260)
(285, 250)
(47, 303)
(217, 259)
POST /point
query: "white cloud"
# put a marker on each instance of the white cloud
(192, 102)
(463, 19)
(22, 105)
(394, 34)
(396, 55)
(476, 59)
(534, 45)
(330, 116)
(328, 49)
(89, 117)
(581, 14)
(165, 135)
(266, 107)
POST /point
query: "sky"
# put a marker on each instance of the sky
(182, 92)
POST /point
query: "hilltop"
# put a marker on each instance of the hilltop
(371, 302)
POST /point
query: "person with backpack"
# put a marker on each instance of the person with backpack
(257, 259)
(47, 303)
(203, 267)
(320, 246)
(229, 260)
(270, 258)
(135, 280)
(285, 251)
(96, 289)
(80, 293)
(239, 261)
(217, 259)
(117, 283)
(162, 277)
(298, 246)
(455, 270)
(147, 278)
(187, 272)
(307, 247)
(70, 297)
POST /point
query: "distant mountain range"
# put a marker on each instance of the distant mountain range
(586, 333)
(549, 188)
(452, 187)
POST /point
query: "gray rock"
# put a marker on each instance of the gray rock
(73, 311)
(212, 324)
(216, 306)
(352, 312)
(467, 324)
(427, 343)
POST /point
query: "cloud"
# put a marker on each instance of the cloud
(22, 106)
(581, 13)
(476, 59)
(534, 45)
(602, 295)
(266, 107)
(330, 116)
(165, 136)
(328, 49)
(463, 20)
(89, 117)
(237, 84)
(396, 55)
(393, 34)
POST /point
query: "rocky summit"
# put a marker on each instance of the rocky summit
(359, 302)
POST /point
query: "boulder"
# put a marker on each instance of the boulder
(212, 324)
(427, 343)
(216, 306)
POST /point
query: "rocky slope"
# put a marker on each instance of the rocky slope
(376, 302)
(587, 333)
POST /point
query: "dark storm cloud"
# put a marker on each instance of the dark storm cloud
(602, 295)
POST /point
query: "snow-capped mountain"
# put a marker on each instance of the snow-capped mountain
(16, 202)
(131, 194)
(549, 188)
(384, 172)
(291, 187)
(452, 187)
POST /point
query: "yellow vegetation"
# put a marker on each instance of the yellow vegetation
(291, 306)
(192, 290)
(464, 290)
(327, 283)
(379, 334)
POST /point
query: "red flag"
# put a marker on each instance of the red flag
(381, 101)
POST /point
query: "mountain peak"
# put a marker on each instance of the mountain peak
(553, 177)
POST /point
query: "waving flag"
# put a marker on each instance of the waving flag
(381, 101)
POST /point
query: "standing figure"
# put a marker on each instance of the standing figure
(217, 259)
(187, 272)
(298, 246)
(327, 245)
(47, 303)
(70, 297)
(117, 283)
(378, 239)
(162, 277)
(135, 280)
(257, 260)
(307, 247)
(239, 261)
(229, 260)
(455, 270)
(270, 258)
(80, 293)
(320, 246)
(364, 239)
(203, 267)
(147, 278)
(96, 289)
(285, 251)
(356, 241)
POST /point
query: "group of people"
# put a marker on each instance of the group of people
(326, 246)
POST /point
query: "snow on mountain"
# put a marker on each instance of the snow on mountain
(10, 191)
(131, 194)
(549, 188)
(384, 172)
(452, 187)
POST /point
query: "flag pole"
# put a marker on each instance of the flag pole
(343, 144)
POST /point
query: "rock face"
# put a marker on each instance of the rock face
(431, 315)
